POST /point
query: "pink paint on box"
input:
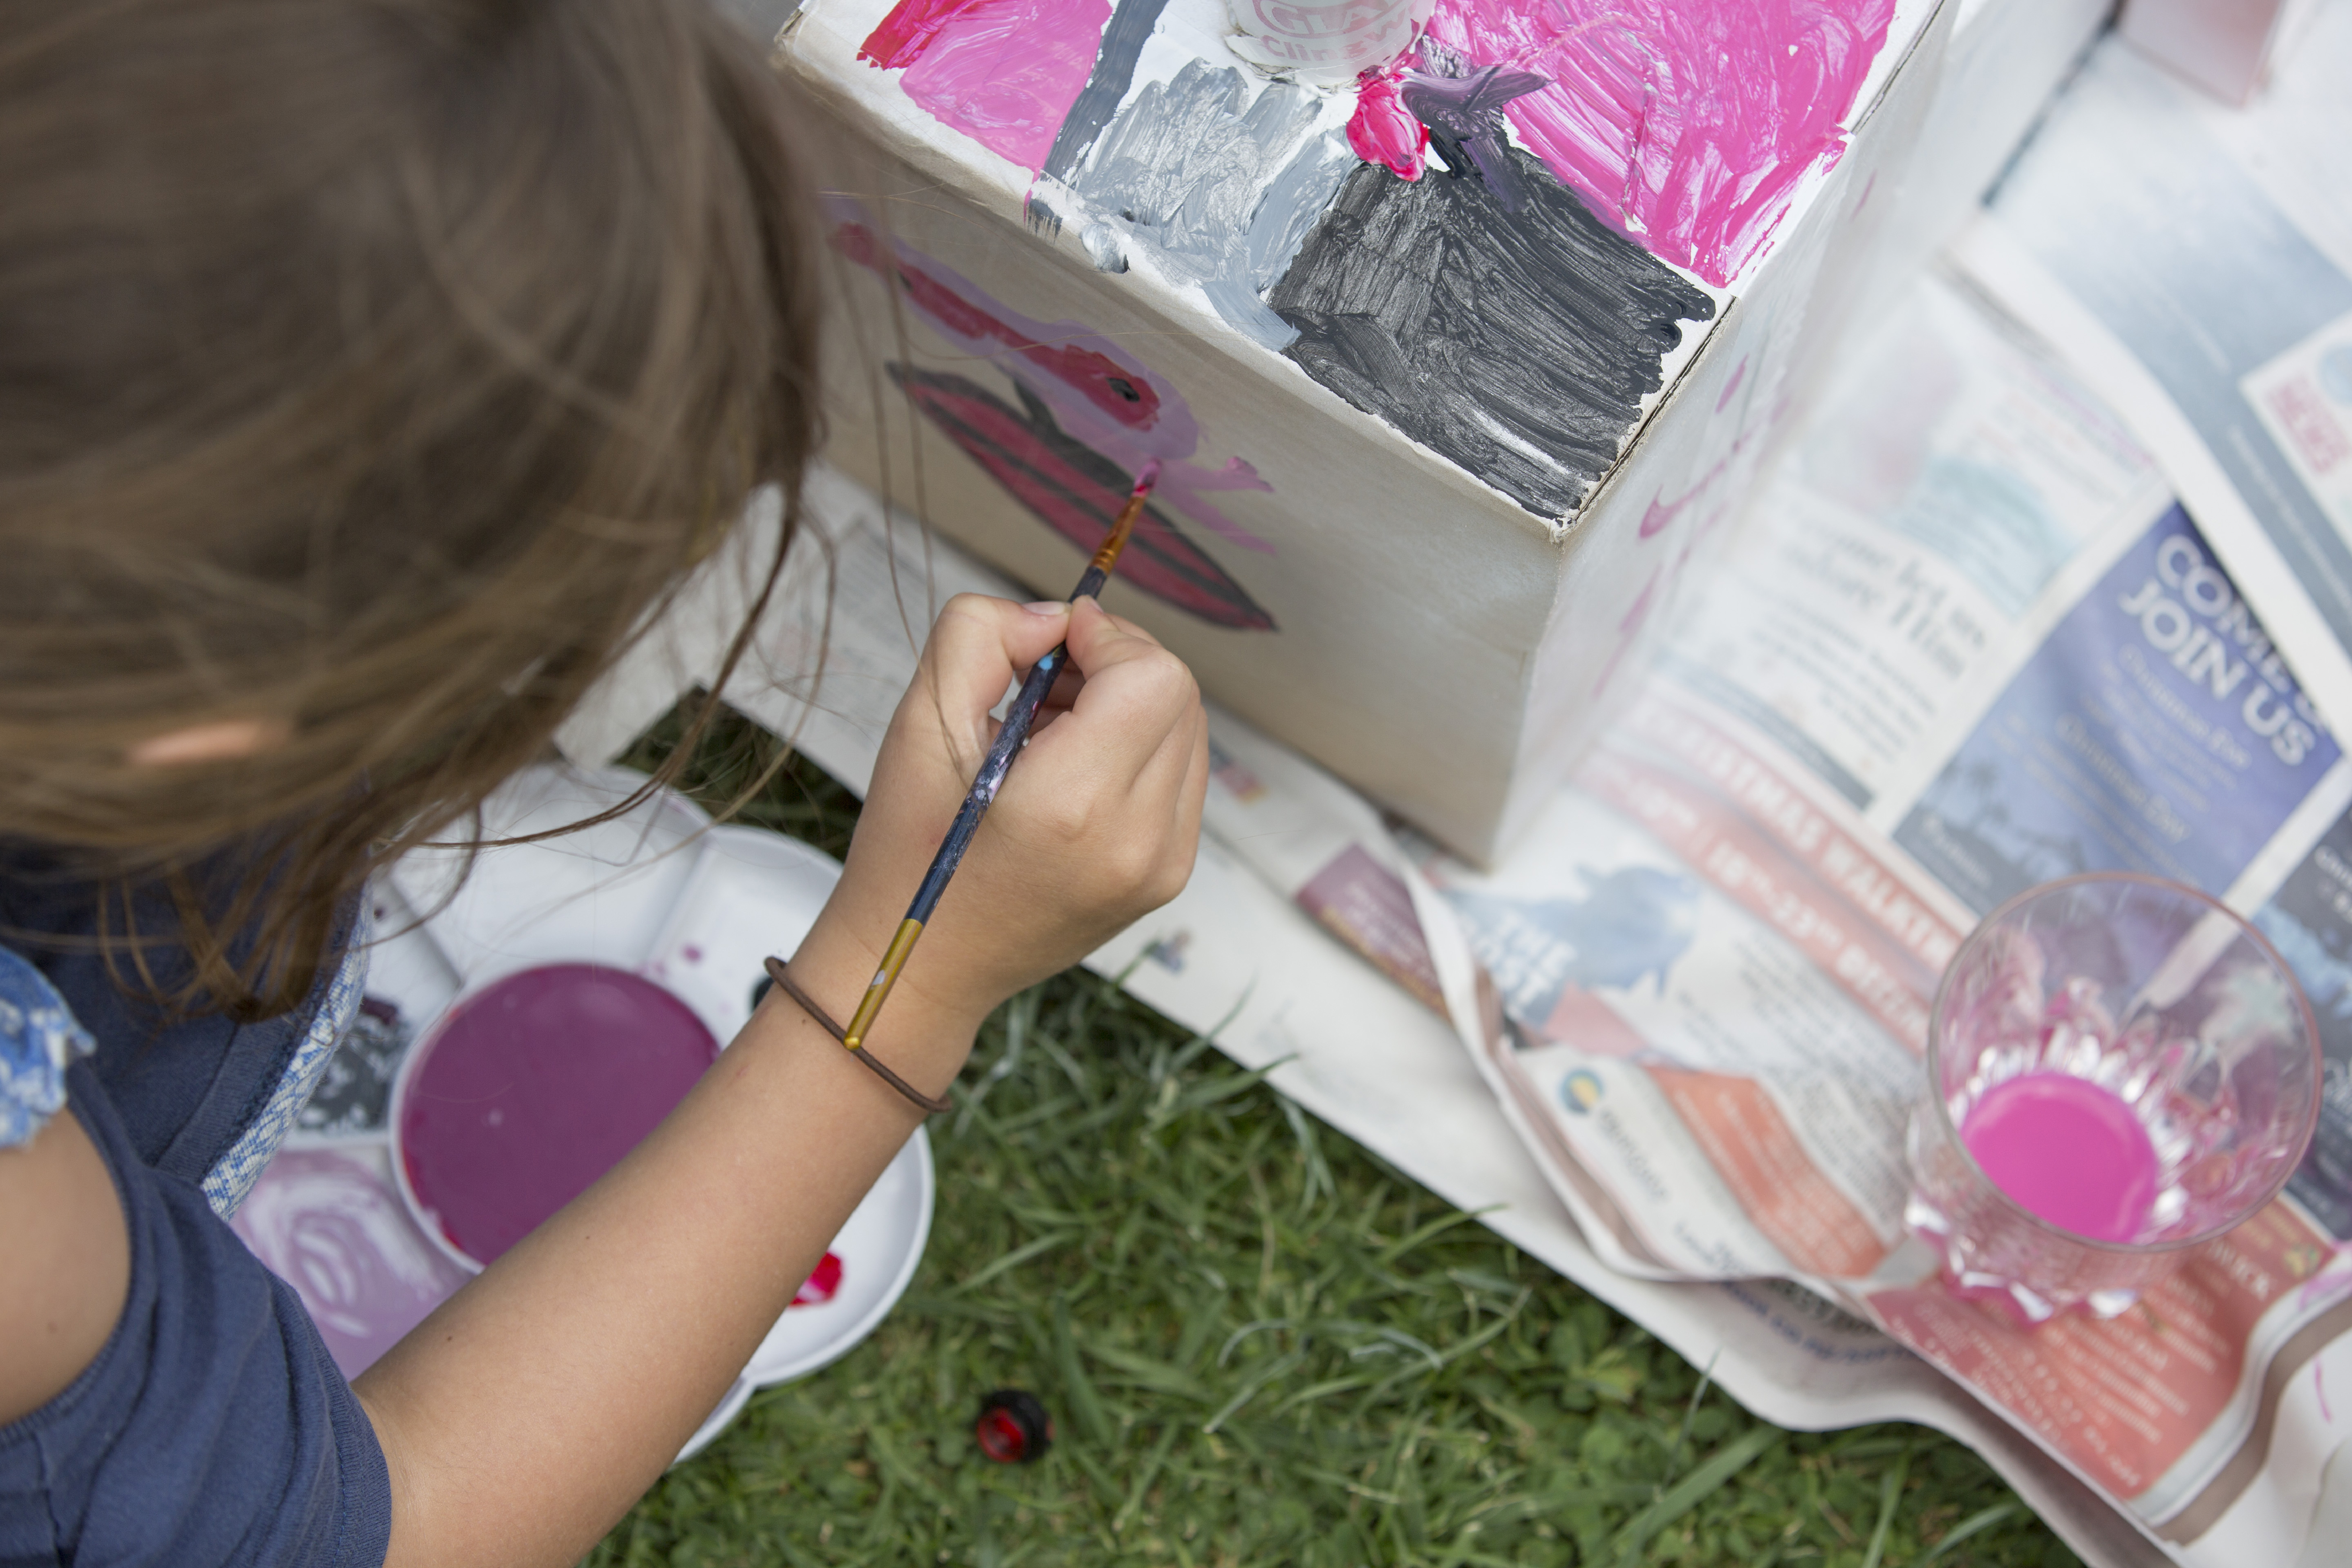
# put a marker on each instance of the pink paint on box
(1686, 125)
(1003, 72)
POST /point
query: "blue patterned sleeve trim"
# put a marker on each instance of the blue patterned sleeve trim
(232, 1175)
(39, 1038)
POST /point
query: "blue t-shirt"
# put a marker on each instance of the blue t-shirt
(213, 1428)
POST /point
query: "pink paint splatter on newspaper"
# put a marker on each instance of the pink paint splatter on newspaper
(1687, 124)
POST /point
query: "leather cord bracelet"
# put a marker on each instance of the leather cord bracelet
(785, 983)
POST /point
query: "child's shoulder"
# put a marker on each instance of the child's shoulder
(39, 1038)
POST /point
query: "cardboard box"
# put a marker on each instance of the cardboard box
(1440, 452)
(2225, 46)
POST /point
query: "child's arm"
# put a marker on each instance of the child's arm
(522, 1418)
(68, 1263)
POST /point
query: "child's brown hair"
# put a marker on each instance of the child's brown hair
(369, 369)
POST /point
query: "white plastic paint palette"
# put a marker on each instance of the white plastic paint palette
(657, 892)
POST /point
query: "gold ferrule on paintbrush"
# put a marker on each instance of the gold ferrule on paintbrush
(1121, 527)
(893, 959)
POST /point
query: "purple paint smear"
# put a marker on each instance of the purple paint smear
(535, 1086)
(1686, 125)
(1462, 109)
(1066, 367)
(329, 1225)
(1003, 72)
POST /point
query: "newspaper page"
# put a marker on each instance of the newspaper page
(1970, 641)
(1719, 939)
(2194, 263)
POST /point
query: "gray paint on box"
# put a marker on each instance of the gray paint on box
(1131, 23)
(1218, 186)
(1516, 343)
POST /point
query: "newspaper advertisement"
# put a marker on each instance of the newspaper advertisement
(2195, 264)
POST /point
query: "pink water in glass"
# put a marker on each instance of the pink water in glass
(2067, 1149)
(2118, 1069)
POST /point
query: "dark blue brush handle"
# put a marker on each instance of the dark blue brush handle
(1018, 719)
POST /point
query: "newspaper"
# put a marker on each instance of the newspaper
(2195, 264)
(1974, 637)
(1699, 987)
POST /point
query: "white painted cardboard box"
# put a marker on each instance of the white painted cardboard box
(1438, 451)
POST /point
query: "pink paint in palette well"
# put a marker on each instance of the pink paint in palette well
(2066, 1150)
(534, 1088)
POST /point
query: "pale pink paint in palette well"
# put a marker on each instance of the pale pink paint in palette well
(329, 1223)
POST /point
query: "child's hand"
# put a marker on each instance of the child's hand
(1096, 823)
(629, 1312)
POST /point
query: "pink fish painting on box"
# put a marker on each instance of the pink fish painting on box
(1089, 415)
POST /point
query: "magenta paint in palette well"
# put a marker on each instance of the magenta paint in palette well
(2066, 1150)
(535, 1086)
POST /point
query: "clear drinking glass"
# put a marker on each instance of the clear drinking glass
(2118, 1069)
(1325, 43)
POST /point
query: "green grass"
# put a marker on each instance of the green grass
(1262, 1345)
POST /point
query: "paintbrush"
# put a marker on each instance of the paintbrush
(1009, 739)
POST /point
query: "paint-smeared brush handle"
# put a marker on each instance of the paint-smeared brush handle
(1019, 718)
(1011, 737)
